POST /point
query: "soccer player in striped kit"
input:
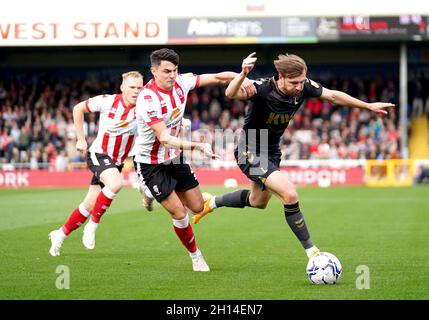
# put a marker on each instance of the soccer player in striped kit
(158, 157)
(105, 158)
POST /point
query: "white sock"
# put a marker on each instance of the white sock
(195, 254)
(181, 224)
(310, 251)
(83, 211)
(108, 193)
(212, 203)
(92, 225)
(61, 233)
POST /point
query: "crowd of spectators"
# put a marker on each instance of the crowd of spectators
(37, 130)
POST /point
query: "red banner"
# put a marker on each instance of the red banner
(297, 175)
(82, 178)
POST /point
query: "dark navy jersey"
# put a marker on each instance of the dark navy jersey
(272, 110)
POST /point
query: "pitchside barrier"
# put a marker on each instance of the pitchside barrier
(323, 173)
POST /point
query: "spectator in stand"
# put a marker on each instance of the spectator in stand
(422, 176)
(417, 101)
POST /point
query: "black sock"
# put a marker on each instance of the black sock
(236, 199)
(296, 222)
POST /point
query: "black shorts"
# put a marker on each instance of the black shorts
(164, 178)
(257, 169)
(97, 163)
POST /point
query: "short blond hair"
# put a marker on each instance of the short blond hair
(290, 65)
(131, 74)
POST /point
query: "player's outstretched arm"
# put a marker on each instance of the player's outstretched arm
(225, 78)
(235, 89)
(169, 141)
(78, 119)
(343, 99)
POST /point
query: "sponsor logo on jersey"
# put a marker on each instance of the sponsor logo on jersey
(173, 123)
(175, 114)
(148, 98)
(122, 124)
(152, 113)
(278, 118)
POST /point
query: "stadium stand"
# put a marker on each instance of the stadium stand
(36, 125)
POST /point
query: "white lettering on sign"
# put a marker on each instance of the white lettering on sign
(25, 31)
(14, 179)
(132, 31)
(231, 28)
(98, 30)
(313, 176)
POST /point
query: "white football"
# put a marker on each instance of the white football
(324, 268)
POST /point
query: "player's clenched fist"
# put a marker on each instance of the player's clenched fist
(81, 146)
(206, 149)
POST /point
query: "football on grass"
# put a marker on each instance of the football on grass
(324, 268)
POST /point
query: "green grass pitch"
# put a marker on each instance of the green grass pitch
(252, 253)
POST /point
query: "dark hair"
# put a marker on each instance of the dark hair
(164, 54)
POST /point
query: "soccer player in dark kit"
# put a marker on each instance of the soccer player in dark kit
(258, 153)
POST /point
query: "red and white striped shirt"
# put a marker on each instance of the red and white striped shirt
(117, 126)
(154, 105)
